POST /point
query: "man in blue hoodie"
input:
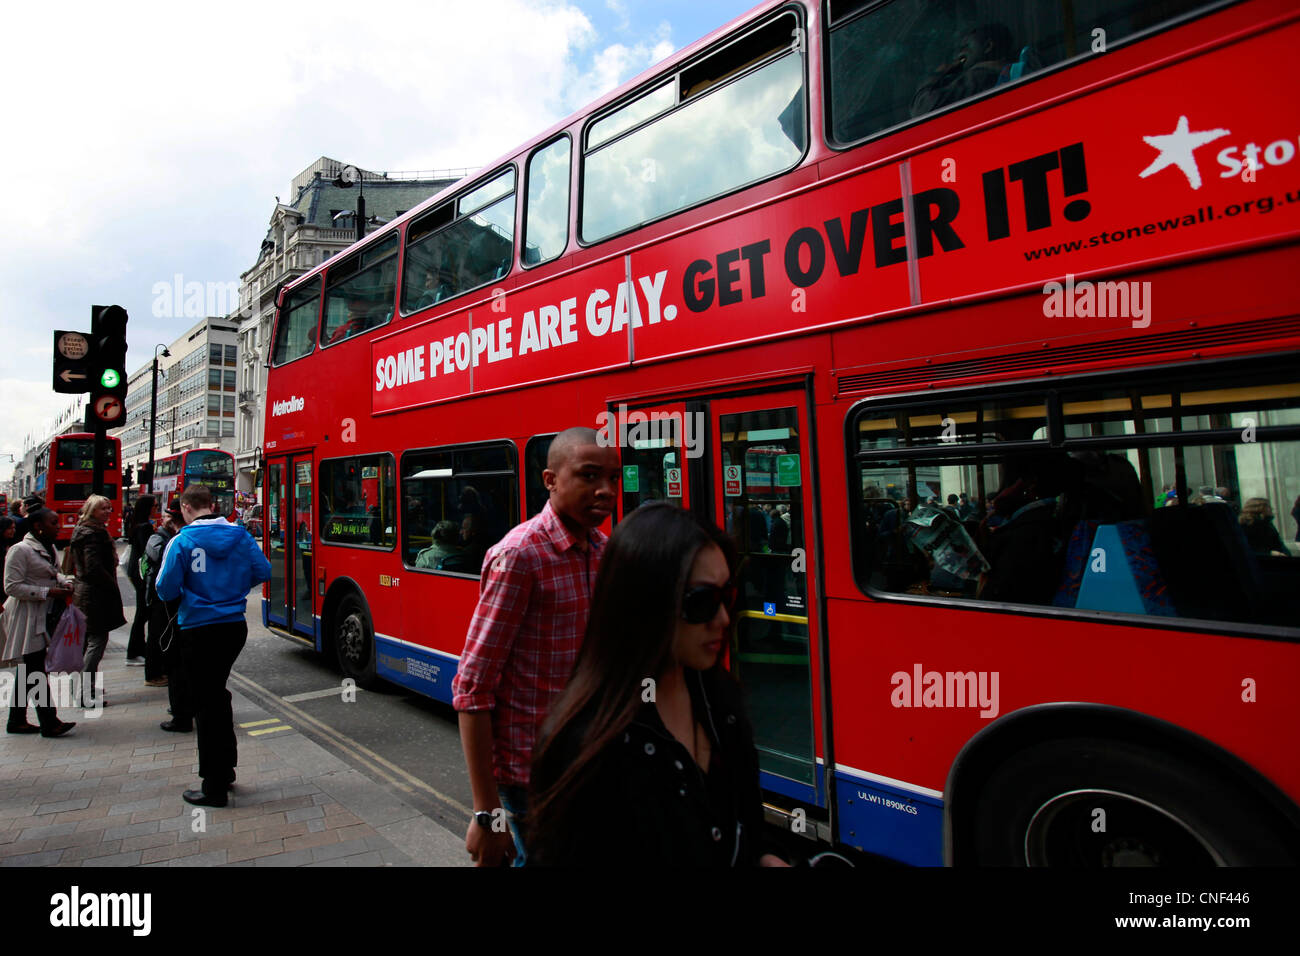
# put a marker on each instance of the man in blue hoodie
(211, 565)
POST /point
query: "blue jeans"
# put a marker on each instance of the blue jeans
(514, 800)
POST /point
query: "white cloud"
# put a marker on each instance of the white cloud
(154, 142)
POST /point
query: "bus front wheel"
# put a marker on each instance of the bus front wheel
(1091, 802)
(354, 642)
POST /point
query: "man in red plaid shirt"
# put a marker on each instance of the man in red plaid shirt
(534, 598)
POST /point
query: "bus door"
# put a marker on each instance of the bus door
(652, 443)
(290, 528)
(761, 471)
(273, 527)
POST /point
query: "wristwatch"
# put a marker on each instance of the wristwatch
(483, 818)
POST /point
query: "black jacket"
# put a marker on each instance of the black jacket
(140, 535)
(648, 803)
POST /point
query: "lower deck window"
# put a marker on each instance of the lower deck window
(357, 498)
(1152, 500)
(457, 503)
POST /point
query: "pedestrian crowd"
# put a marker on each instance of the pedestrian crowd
(598, 722)
(191, 573)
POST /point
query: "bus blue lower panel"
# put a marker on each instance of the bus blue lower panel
(422, 671)
(895, 823)
(795, 789)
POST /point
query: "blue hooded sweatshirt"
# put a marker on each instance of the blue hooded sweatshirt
(211, 565)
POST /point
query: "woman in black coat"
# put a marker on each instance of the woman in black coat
(647, 758)
(137, 650)
(94, 561)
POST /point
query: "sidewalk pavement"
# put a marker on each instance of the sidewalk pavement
(109, 794)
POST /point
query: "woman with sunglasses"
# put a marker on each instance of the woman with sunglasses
(647, 757)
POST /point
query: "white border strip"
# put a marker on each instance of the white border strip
(889, 781)
(418, 647)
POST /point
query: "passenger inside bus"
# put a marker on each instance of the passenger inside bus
(980, 60)
(446, 542)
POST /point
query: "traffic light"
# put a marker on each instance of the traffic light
(107, 405)
(145, 475)
(127, 476)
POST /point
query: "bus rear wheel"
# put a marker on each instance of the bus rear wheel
(354, 642)
(1091, 802)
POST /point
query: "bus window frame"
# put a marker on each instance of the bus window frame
(321, 311)
(1055, 391)
(404, 247)
(1208, 8)
(675, 77)
(320, 538)
(453, 448)
(551, 436)
(523, 205)
(280, 316)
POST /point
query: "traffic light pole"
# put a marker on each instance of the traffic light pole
(101, 452)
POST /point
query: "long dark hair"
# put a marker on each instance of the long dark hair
(634, 612)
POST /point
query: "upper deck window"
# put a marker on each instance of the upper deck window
(460, 244)
(295, 336)
(892, 62)
(729, 120)
(546, 224)
(361, 292)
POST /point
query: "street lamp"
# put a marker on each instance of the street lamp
(347, 176)
(153, 406)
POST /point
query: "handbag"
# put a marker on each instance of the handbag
(64, 654)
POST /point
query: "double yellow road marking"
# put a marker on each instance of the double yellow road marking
(265, 730)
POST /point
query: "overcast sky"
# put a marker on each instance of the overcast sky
(146, 140)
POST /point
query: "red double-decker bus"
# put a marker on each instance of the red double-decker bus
(975, 325)
(65, 477)
(209, 466)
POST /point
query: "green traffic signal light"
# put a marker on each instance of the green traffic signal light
(111, 378)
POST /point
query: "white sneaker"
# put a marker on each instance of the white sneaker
(135, 662)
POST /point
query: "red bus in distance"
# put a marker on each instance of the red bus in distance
(65, 479)
(995, 315)
(209, 466)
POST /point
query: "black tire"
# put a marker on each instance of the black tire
(354, 642)
(1039, 807)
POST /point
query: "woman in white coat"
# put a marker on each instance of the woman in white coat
(31, 582)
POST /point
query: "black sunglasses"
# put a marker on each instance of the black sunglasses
(700, 603)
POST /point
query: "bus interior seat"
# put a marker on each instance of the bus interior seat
(1209, 566)
(1077, 550)
(1027, 62)
(1125, 575)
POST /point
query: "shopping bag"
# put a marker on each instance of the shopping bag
(64, 653)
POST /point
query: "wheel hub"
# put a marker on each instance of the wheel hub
(1096, 828)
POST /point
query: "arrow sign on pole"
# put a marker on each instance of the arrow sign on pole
(72, 357)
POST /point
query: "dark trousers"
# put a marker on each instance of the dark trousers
(165, 641)
(33, 663)
(135, 643)
(209, 652)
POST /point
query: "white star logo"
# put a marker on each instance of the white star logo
(1176, 149)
